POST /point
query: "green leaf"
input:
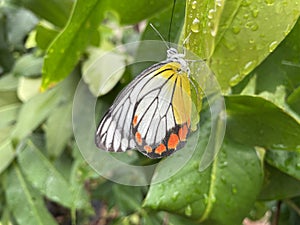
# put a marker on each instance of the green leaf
(278, 185)
(26, 204)
(67, 48)
(8, 114)
(44, 36)
(282, 66)
(254, 121)
(7, 154)
(34, 112)
(250, 31)
(285, 161)
(28, 88)
(55, 11)
(294, 100)
(20, 23)
(229, 185)
(102, 70)
(59, 129)
(28, 66)
(47, 179)
(8, 98)
(8, 82)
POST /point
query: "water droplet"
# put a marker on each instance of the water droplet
(298, 165)
(236, 29)
(211, 13)
(255, 13)
(246, 15)
(235, 79)
(269, 2)
(233, 189)
(219, 2)
(251, 41)
(175, 195)
(223, 164)
(194, 4)
(249, 66)
(272, 46)
(251, 25)
(188, 210)
(195, 25)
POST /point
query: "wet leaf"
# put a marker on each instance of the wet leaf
(254, 121)
(230, 184)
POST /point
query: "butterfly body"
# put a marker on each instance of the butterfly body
(153, 113)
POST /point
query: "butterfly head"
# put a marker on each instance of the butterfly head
(174, 56)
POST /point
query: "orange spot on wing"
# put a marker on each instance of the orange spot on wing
(173, 141)
(138, 138)
(134, 121)
(182, 133)
(147, 148)
(160, 149)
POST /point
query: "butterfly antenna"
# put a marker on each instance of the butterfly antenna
(161, 37)
(171, 21)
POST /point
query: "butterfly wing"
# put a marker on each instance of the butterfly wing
(114, 131)
(161, 119)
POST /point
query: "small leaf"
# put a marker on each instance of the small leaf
(26, 204)
(28, 66)
(59, 129)
(20, 23)
(28, 88)
(34, 112)
(103, 70)
(46, 178)
(254, 121)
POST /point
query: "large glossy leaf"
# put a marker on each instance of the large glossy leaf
(222, 194)
(237, 35)
(26, 204)
(255, 121)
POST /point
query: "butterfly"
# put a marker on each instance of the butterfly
(153, 113)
